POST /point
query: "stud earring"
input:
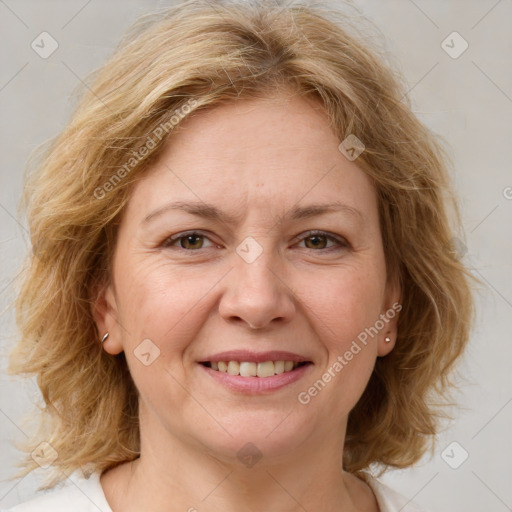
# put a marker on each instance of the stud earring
(387, 339)
(105, 336)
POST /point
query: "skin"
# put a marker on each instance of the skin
(255, 160)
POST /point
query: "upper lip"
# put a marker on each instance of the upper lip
(255, 357)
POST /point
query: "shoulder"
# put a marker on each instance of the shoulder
(78, 494)
(391, 501)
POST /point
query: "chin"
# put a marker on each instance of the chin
(256, 435)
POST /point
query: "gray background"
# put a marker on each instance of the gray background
(467, 99)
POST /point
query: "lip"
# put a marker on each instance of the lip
(257, 385)
(255, 357)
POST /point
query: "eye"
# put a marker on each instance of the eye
(316, 240)
(319, 239)
(189, 241)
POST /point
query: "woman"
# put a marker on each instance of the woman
(243, 293)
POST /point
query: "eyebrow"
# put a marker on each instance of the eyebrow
(211, 212)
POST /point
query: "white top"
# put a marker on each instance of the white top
(79, 494)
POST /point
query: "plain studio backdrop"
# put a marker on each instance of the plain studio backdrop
(455, 56)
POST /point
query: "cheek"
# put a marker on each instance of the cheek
(345, 302)
(163, 303)
(149, 289)
(159, 308)
(346, 305)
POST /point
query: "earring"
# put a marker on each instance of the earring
(387, 339)
(105, 336)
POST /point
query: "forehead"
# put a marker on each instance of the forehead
(263, 153)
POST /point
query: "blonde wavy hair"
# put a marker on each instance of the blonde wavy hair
(215, 52)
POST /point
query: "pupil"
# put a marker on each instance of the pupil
(190, 238)
(316, 237)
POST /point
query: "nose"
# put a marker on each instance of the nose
(257, 293)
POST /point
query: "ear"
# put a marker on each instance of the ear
(105, 314)
(389, 316)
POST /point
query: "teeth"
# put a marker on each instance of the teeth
(234, 368)
(251, 369)
(248, 369)
(279, 367)
(265, 369)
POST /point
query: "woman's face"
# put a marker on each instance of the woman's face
(252, 235)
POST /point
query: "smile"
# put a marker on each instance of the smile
(252, 369)
(254, 378)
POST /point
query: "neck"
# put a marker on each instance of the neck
(174, 474)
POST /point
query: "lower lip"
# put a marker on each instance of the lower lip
(256, 385)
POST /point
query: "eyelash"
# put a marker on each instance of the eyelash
(342, 243)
